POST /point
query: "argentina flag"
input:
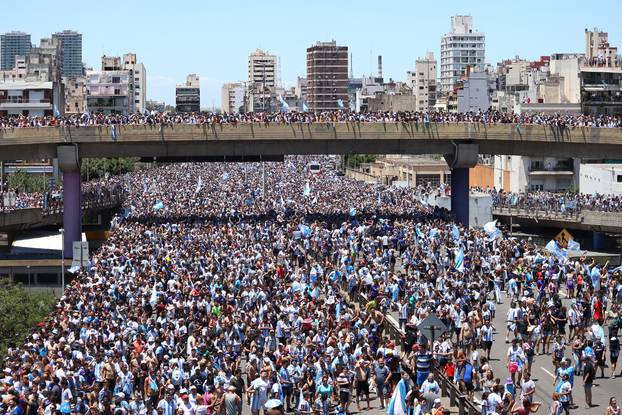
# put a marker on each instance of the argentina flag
(397, 405)
(459, 260)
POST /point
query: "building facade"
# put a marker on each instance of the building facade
(604, 179)
(263, 80)
(13, 44)
(188, 95)
(119, 87)
(138, 82)
(71, 45)
(473, 95)
(233, 98)
(75, 95)
(460, 48)
(423, 82)
(327, 77)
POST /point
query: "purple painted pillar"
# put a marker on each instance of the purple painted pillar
(460, 194)
(72, 210)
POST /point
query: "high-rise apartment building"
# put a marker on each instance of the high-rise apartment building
(71, 45)
(188, 95)
(13, 44)
(232, 98)
(263, 80)
(327, 77)
(423, 82)
(460, 48)
(119, 87)
(138, 77)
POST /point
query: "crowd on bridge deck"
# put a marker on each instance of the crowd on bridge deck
(560, 121)
(51, 200)
(562, 202)
(230, 285)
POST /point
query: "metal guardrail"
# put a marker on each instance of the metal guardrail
(87, 205)
(448, 387)
(569, 214)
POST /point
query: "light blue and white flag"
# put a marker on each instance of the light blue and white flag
(554, 249)
(571, 204)
(199, 185)
(304, 107)
(433, 232)
(418, 232)
(397, 405)
(305, 230)
(307, 190)
(225, 176)
(340, 103)
(574, 245)
(284, 105)
(459, 260)
(514, 200)
(352, 211)
(493, 232)
(158, 206)
(455, 232)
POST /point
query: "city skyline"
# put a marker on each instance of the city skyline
(198, 42)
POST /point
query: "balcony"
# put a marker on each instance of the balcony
(19, 102)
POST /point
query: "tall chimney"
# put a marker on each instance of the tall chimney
(379, 66)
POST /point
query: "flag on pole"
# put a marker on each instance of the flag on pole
(305, 230)
(554, 249)
(199, 185)
(459, 260)
(573, 245)
(158, 206)
(307, 189)
(397, 405)
(304, 107)
(455, 232)
(225, 176)
(340, 103)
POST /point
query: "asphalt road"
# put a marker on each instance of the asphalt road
(542, 373)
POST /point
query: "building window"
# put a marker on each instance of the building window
(116, 80)
(619, 178)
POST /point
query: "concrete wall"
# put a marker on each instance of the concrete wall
(481, 176)
(600, 178)
(480, 208)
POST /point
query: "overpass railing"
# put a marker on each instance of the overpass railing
(394, 332)
(570, 214)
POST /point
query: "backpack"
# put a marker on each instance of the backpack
(467, 374)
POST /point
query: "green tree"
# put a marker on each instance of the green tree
(355, 160)
(20, 311)
(26, 182)
(97, 168)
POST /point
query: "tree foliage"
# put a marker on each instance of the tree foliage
(20, 311)
(355, 160)
(97, 168)
(26, 182)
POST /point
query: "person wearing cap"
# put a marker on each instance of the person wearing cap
(437, 407)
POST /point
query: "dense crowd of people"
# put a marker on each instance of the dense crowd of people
(556, 201)
(225, 286)
(560, 121)
(51, 200)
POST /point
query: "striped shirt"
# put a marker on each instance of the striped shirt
(424, 361)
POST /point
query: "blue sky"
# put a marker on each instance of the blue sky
(213, 39)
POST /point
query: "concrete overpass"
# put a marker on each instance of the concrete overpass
(460, 143)
(184, 141)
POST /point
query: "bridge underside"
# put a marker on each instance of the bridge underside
(280, 147)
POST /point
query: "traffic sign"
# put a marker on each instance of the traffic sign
(432, 327)
(563, 237)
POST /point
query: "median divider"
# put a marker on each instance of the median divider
(392, 329)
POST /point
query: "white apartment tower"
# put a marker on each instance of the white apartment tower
(138, 75)
(460, 48)
(423, 82)
(232, 97)
(263, 79)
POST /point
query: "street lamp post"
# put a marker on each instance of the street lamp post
(28, 267)
(62, 262)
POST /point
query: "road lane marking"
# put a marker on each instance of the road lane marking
(550, 374)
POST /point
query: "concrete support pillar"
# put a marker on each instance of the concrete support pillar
(460, 194)
(465, 156)
(69, 164)
(598, 241)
